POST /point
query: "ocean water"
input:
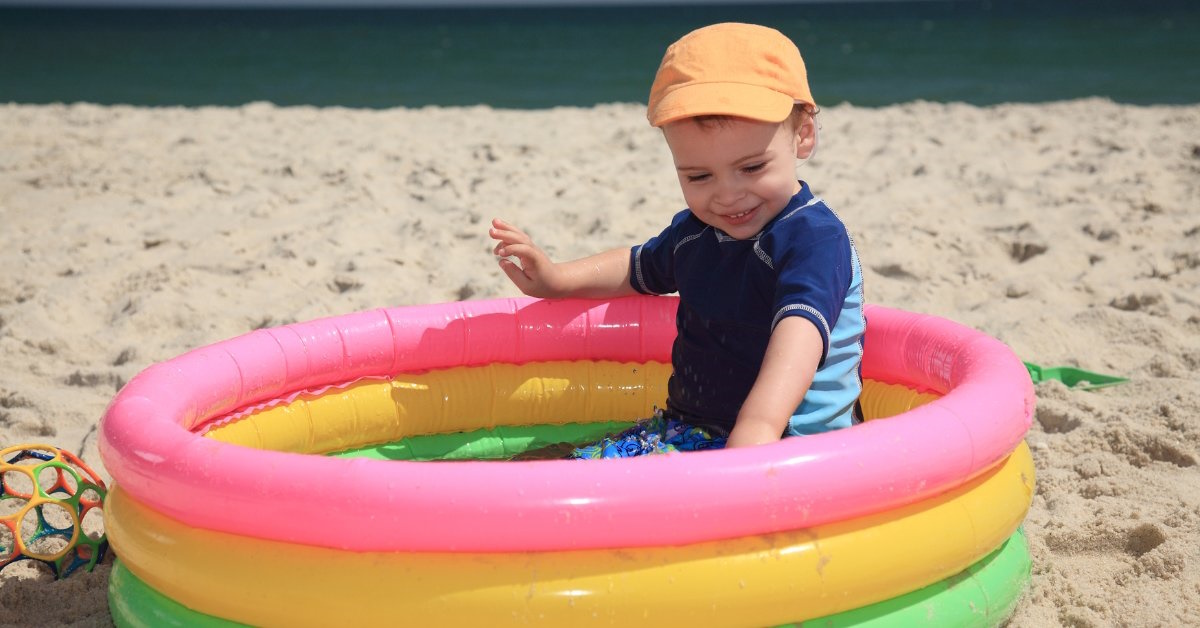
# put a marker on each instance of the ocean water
(870, 54)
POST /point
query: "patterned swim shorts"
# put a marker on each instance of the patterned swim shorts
(656, 435)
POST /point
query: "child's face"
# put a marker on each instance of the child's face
(738, 174)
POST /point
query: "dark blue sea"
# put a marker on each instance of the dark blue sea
(867, 53)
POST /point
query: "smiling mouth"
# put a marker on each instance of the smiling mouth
(741, 216)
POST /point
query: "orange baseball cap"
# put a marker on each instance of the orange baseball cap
(731, 69)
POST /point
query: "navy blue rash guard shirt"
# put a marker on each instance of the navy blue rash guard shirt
(733, 293)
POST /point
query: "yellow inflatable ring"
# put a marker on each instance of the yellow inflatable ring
(759, 580)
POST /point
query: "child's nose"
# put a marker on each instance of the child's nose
(728, 192)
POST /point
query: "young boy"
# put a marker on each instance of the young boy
(770, 320)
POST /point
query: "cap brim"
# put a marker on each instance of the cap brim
(722, 99)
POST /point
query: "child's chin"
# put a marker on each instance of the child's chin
(743, 231)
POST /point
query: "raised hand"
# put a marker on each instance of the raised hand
(536, 275)
(601, 276)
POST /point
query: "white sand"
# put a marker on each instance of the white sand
(1071, 231)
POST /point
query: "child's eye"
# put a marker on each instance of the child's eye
(697, 178)
(751, 169)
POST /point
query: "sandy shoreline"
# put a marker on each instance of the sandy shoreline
(1069, 230)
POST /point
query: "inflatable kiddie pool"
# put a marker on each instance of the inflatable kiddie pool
(225, 511)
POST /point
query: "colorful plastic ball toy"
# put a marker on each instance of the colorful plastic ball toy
(48, 496)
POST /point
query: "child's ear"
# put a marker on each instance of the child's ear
(806, 138)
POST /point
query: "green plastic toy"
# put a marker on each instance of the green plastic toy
(1071, 376)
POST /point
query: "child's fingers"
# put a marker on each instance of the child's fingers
(507, 233)
(510, 237)
(520, 258)
(515, 274)
(503, 238)
(499, 226)
(524, 252)
(509, 267)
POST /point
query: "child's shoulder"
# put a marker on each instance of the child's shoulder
(811, 227)
(812, 219)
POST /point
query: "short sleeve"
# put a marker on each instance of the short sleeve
(815, 270)
(652, 265)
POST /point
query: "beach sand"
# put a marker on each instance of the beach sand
(1071, 231)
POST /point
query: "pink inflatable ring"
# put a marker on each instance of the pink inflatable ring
(150, 440)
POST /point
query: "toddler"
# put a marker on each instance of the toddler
(770, 320)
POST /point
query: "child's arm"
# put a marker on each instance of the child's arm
(787, 371)
(601, 276)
